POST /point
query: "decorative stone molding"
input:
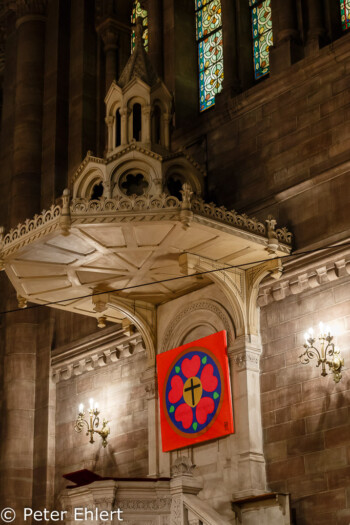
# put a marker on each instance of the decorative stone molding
(40, 225)
(30, 7)
(182, 466)
(154, 504)
(246, 360)
(133, 203)
(188, 310)
(295, 282)
(109, 32)
(93, 353)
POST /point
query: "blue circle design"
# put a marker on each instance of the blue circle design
(205, 359)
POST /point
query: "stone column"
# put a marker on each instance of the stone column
(109, 33)
(167, 119)
(124, 114)
(150, 382)
(244, 357)
(229, 36)
(155, 34)
(146, 124)
(25, 187)
(183, 482)
(316, 29)
(21, 327)
(286, 46)
(111, 136)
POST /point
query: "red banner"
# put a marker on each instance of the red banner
(195, 392)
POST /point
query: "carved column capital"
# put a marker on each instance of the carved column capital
(25, 8)
(109, 32)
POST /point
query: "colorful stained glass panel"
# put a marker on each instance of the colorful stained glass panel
(345, 14)
(262, 36)
(208, 19)
(136, 13)
(211, 69)
(210, 50)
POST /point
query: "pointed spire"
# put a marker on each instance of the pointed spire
(138, 65)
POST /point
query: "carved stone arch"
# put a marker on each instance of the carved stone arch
(181, 172)
(231, 283)
(142, 318)
(254, 276)
(84, 184)
(205, 313)
(134, 166)
(117, 104)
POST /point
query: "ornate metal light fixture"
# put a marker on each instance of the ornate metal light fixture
(93, 423)
(327, 355)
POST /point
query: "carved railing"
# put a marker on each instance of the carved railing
(47, 220)
(38, 222)
(242, 221)
(133, 203)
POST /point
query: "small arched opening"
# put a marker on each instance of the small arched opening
(97, 191)
(136, 122)
(117, 128)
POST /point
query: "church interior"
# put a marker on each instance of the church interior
(175, 262)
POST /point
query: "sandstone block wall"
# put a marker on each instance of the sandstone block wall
(121, 397)
(306, 417)
(282, 146)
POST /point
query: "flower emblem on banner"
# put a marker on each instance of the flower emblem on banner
(193, 392)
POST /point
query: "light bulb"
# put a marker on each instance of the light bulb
(311, 331)
(96, 406)
(321, 326)
(306, 336)
(81, 408)
(91, 403)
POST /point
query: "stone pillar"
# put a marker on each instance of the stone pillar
(124, 114)
(146, 124)
(183, 482)
(111, 136)
(244, 357)
(17, 458)
(155, 34)
(25, 187)
(286, 46)
(150, 381)
(229, 36)
(109, 33)
(316, 29)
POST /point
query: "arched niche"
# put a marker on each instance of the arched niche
(146, 166)
(177, 174)
(194, 320)
(135, 107)
(84, 185)
(118, 128)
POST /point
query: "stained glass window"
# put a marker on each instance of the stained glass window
(137, 12)
(262, 35)
(345, 14)
(210, 52)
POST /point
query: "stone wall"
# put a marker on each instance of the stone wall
(121, 396)
(282, 146)
(306, 417)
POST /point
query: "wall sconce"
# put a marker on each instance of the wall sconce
(93, 423)
(327, 355)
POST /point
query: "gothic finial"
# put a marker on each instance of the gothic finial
(273, 243)
(139, 30)
(186, 215)
(65, 219)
